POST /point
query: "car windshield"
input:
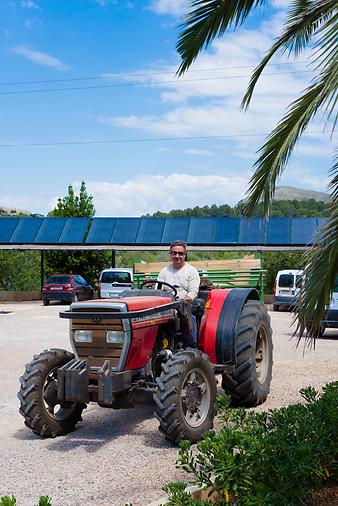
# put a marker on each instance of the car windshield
(335, 286)
(116, 277)
(58, 280)
(286, 280)
(299, 280)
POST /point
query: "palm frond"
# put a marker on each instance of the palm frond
(305, 19)
(209, 19)
(277, 149)
(320, 271)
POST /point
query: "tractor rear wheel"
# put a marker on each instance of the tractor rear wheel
(249, 383)
(39, 406)
(186, 395)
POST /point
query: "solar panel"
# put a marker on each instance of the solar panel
(26, 230)
(303, 230)
(74, 231)
(101, 231)
(50, 231)
(226, 230)
(126, 230)
(252, 231)
(150, 231)
(7, 227)
(278, 230)
(201, 231)
(175, 228)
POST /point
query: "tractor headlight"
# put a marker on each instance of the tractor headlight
(83, 336)
(115, 336)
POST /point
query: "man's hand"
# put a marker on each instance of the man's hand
(187, 299)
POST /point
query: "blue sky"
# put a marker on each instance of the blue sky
(115, 62)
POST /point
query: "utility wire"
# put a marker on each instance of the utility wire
(114, 75)
(127, 141)
(150, 84)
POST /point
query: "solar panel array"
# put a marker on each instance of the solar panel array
(43, 230)
(159, 231)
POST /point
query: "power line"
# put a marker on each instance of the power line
(127, 141)
(150, 84)
(114, 75)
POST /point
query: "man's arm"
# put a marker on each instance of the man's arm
(193, 285)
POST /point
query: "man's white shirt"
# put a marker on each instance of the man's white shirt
(186, 279)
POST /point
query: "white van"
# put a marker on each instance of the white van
(115, 280)
(286, 288)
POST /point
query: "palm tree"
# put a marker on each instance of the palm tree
(309, 24)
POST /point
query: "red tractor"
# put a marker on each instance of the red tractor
(137, 341)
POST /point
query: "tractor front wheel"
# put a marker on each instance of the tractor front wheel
(185, 397)
(39, 406)
(249, 383)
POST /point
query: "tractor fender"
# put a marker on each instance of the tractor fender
(217, 337)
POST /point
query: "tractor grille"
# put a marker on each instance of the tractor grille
(98, 351)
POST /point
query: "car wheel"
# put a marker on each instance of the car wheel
(45, 302)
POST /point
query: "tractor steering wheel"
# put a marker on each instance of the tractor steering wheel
(159, 284)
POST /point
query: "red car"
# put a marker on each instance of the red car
(66, 287)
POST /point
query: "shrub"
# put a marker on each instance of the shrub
(273, 457)
(6, 500)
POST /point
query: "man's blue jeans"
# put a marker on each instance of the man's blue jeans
(191, 341)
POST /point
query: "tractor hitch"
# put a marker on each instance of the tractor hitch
(74, 382)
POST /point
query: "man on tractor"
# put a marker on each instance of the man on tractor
(185, 278)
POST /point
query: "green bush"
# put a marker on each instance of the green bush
(273, 457)
(6, 500)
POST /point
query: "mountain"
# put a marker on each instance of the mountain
(290, 193)
(13, 211)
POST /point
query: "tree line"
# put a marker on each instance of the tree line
(287, 208)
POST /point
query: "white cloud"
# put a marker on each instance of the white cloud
(40, 58)
(137, 196)
(105, 2)
(24, 202)
(28, 4)
(31, 22)
(200, 105)
(171, 7)
(300, 176)
(198, 152)
(281, 4)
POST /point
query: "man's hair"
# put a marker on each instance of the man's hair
(178, 243)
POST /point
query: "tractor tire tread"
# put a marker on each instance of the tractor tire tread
(242, 384)
(30, 395)
(167, 409)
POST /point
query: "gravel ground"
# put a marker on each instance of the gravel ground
(113, 457)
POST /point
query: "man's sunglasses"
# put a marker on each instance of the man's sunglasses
(179, 253)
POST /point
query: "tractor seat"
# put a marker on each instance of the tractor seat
(198, 307)
(145, 293)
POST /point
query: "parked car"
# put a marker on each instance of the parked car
(286, 288)
(67, 287)
(115, 280)
(330, 320)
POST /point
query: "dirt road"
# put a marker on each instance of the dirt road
(113, 457)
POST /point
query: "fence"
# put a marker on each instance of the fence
(254, 278)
